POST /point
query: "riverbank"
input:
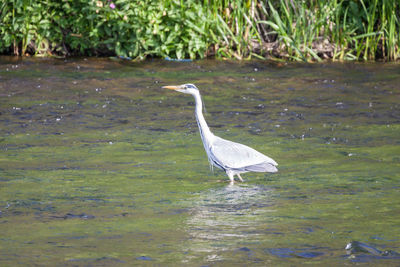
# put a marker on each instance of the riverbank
(288, 30)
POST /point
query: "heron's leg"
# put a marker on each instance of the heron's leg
(240, 177)
(230, 175)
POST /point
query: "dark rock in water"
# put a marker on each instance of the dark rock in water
(299, 253)
(158, 130)
(144, 258)
(247, 250)
(310, 254)
(281, 252)
(78, 216)
(356, 247)
(390, 253)
(123, 121)
(74, 216)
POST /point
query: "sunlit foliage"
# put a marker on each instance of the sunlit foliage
(294, 30)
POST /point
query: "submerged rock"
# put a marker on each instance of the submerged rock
(356, 247)
(78, 216)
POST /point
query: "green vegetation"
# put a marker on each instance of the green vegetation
(294, 30)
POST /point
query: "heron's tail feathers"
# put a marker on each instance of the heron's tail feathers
(261, 167)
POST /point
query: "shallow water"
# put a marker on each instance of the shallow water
(99, 166)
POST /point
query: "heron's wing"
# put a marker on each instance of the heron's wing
(237, 156)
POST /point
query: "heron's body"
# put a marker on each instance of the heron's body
(231, 157)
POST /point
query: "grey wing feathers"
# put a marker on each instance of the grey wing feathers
(233, 155)
(262, 167)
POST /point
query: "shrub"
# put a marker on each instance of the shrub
(294, 30)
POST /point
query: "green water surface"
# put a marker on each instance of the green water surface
(99, 166)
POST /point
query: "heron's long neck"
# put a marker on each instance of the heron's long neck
(205, 132)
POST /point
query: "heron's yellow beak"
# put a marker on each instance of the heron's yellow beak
(172, 87)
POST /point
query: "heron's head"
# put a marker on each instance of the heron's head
(187, 88)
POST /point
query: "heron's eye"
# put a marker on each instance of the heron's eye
(190, 86)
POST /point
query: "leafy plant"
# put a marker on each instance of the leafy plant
(293, 30)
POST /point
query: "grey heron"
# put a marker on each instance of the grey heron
(231, 157)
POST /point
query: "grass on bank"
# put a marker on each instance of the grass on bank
(293, 30)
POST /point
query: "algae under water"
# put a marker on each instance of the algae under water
(100, 166)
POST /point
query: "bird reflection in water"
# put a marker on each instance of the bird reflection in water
(225, 218)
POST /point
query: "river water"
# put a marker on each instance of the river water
(100, 166)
